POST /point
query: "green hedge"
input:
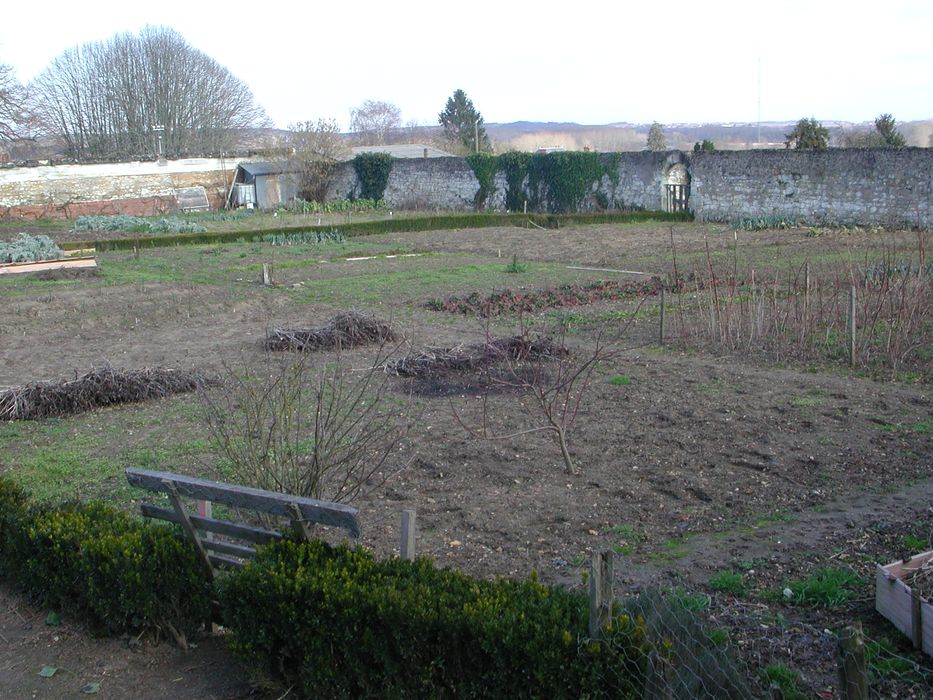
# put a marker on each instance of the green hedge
(113, 571)
(334, 622)
(391, 225)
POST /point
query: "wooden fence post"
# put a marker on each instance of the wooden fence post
(853, 670)
(600, 592)
(206, 510)
(406, 548)
(661, 329)
(852, 326)
(267, 274)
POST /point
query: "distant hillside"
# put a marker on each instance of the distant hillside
(530, 136)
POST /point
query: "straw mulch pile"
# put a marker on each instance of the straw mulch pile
(921, 578)
(100, 387)
(345, 330)
(432, 362)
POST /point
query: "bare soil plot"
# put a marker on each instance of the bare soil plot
(691, 463)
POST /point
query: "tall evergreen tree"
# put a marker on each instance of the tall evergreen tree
(656, 138)
(463, 124)
(808, 135)
(886, 128)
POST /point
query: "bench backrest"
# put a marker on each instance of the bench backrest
(302, 512)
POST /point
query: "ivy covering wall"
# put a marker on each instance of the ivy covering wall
(373, 170)
(558, 183)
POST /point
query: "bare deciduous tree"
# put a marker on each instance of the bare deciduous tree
(316, 146)
(373, 122)
(13, 110)
(133, 95)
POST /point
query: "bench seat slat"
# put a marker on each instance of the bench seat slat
(237, 550)
(313, 510)
(222, 527)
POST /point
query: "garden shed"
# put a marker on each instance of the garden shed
(265, 185)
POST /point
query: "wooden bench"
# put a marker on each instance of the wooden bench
(303, 512)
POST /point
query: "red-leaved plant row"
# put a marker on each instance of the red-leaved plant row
(510, 301)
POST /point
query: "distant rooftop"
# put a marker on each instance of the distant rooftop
(402, 150)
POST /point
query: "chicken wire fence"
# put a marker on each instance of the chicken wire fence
(695, 647)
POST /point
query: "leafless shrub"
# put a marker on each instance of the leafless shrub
(103, 386)
(345, 330)
(322, 432)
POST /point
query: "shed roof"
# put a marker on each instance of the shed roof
(271, 168)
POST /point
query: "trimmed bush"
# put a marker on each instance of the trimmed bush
(114, 572)
(13, 504)
(334, 622)
(393, 225)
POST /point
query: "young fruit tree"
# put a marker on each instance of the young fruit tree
(550, 389)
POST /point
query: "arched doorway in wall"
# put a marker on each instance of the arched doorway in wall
(675, 188)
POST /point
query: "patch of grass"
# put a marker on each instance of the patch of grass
(626, 531)
(829, 587)
(805, 401)
(719, 636)
(785, 678)
(516, 267)
(411, 284)
(884, 660)
(694, 602)
(730, 582)
(915, 544)
(920, 427)
(630, 538)
(674, 548)
(747, 565)
(60, 473)
(621, 380)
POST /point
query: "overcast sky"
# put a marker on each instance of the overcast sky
(577, 61)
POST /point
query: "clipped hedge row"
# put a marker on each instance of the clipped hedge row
(391, 225)
(334, 622)
(103, 566)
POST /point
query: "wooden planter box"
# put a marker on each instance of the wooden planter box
(895, 600)
(20, 268)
